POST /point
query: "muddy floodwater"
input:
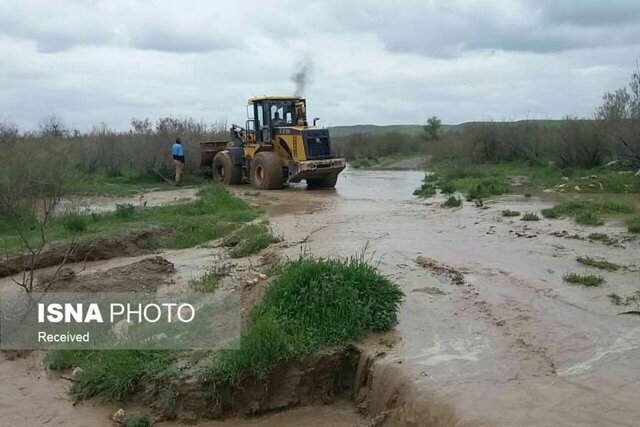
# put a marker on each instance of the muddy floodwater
(488, 334)
(514, 344)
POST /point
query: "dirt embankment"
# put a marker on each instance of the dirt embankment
(127, 244)
(146, 275)
(322, 379)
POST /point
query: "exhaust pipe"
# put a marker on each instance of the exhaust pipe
(315, 119)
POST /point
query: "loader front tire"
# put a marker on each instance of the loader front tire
(224, 171)
(266, 171)
(327, 181)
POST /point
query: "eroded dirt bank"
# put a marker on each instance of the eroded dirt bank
(504, 341)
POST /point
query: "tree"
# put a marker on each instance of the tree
(432, 129)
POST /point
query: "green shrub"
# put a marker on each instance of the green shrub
(125, 210)
(488, 187)
(550, 213)
(634, 225)
(311, 303)
(137, 420)
(510, 213)
(447, 187)
(452, 202)
(527, 195)
(425, 190)
(584, 279)
(74, 223)
(530, 216)
(589, 218)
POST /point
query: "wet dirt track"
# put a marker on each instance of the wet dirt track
(513, 344)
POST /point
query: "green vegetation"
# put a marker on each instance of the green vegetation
(634, 225)
(74, 223)
(452, 202)
(210, 280)
(114, 375)
(587, 212)
(125, 210)
(311, 303)
(601, 264)
(214, 214)
(426, 190)
(447, 187)
(487, 187)
(510, 213)
(250, 239)
(584, 279)
(530, 216)
(137, 420)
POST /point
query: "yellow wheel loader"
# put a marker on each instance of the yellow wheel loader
(277, 145)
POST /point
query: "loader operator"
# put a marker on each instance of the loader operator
(178, 158)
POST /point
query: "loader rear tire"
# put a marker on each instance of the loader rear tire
(328, 181)
(224, 171)
(266, 171)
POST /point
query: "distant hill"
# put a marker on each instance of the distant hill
(338, 131)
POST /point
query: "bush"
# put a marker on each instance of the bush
(634, 225)
(311, 303)
(488, 187)
(447, 187)
(425, 190)
(530, 216)
(74, 223)
(589, 218)
(452, 202)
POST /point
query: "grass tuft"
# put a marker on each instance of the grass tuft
(210, 280)
(249, 240)
(530, 216)
(601, 264)
(488, 187)
(74, 223)
(510, 213)
(452, 202)
(584, 279)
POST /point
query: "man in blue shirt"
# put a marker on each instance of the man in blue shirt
(178, 158)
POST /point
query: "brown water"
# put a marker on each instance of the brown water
(514, 345)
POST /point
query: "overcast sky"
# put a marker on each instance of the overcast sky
(380, 62)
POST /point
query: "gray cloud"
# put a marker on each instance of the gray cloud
(374, 62)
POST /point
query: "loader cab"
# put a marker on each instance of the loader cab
(264, 114)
